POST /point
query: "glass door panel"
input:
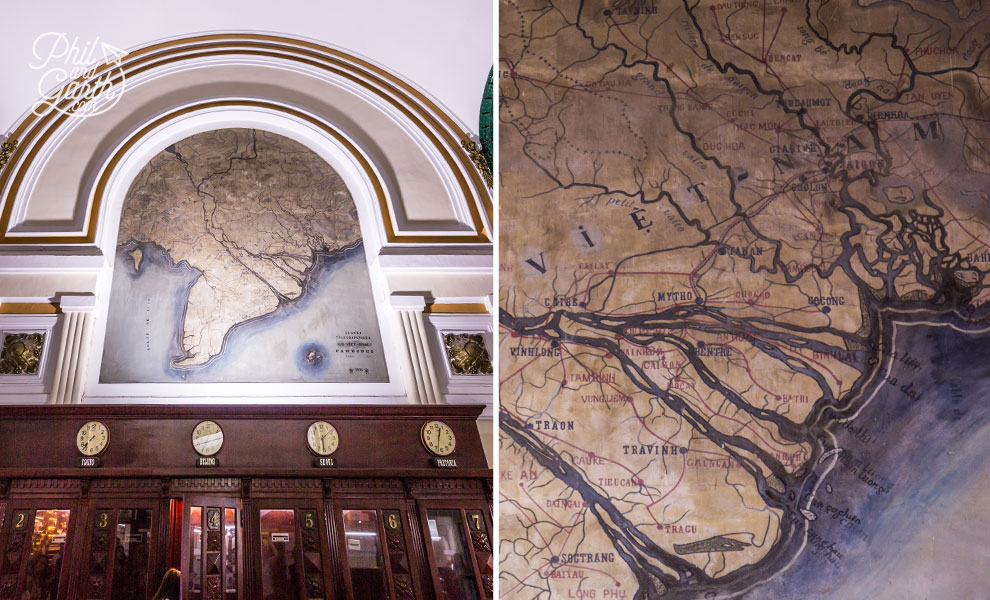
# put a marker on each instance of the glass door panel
(230, 554)
(35, 546)
(459, 548)
(195, 571)
(364, 554)
(119, 554)
(51, 528)
(481, 543)
(292, 553)
(130, 570)
(279, 576)
(450, 554)
(375, 552)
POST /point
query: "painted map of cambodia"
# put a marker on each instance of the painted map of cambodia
(744, 318)
(239, 258)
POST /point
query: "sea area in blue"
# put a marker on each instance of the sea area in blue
(329, 333)
(905, 513)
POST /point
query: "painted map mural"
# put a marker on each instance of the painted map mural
(239, 259)
(744, 340)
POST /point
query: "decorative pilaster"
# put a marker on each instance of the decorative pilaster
(418, 369)
(73, 349)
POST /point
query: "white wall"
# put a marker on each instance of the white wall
(443, 46)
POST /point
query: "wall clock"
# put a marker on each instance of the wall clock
(322, 438)
(438, 438)
(207, 438)
(92, 439)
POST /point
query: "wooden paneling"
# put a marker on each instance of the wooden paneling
(265, 462)
(155, 441)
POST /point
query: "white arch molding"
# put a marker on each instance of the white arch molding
(434, 194)
(425, 214)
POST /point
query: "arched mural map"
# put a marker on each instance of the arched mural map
(240, 259)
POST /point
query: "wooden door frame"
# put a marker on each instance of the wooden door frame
(295, 503)
(380, 505)
(461, 505)
(204, 501)
(33, 504)
(115, 504)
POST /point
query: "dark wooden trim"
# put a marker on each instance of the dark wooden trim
(151, 441)
(330, 575)
(453, 486)
(272, 487)
(336, 561)
(249, 576)
(418, 562)
(76, 474)
(366, 487)
(242, 411)
(191, 473)
(46, 487)
(126, 488)
(162, 540)
(381, 465)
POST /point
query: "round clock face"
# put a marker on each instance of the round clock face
(322, 438)
(207, 438)
(92, 438)
(438, 438)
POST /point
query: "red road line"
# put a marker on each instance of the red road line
(783, 12)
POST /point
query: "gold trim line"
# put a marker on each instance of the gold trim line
(451, 308)
(29, 308)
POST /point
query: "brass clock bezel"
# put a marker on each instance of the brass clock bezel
(105, 446)
(313, 450)
(192, 438)
(422, 438)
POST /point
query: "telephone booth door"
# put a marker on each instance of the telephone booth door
(459, 549)
(120, 550)
(211, 549)
(34, 541)
(374, 537)
(292, 555)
